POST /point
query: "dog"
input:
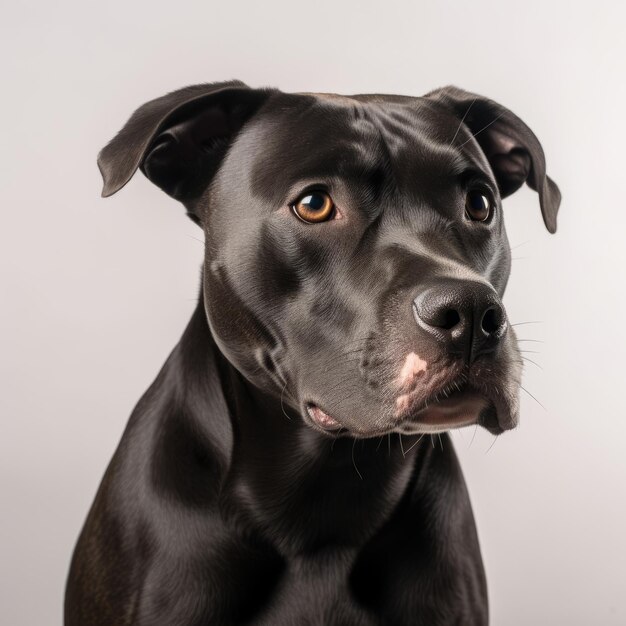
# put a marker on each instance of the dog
(279, 470)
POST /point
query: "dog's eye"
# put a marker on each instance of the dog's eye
(478, 206)
(314, 207)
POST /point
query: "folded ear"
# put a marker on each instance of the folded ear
(512, 149)
(179, 140)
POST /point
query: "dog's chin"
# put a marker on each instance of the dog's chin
(465, 407)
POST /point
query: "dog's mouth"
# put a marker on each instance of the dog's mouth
(321, 419)
(464, 406)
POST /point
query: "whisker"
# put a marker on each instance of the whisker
(519, 245)
(195, 238)
(493, 121)
(415, 443)
(282, 408)
(533, 397)
(493, 443)
(533, 362)
(474, 435)
(462, 120)
(353, 461)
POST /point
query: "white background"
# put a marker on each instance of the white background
(96, 292)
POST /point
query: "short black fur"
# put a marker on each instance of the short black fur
(228, 501)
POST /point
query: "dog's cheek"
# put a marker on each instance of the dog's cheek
(240, 336)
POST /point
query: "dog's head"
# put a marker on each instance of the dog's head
(356, 254)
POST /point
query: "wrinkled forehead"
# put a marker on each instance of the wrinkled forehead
(393, 141)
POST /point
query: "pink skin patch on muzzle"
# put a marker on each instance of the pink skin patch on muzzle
(452, 412)
(413, 367)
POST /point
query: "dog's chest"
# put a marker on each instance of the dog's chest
(315, 591)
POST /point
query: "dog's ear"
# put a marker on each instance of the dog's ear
(512, 149)
(179, 140)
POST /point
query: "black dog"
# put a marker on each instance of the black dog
(355, 260)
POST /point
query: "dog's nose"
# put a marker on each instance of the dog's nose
(467, 317)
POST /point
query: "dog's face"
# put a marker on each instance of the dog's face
(356, 254)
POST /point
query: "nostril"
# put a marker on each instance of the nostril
(492, 321)
(432, 313)
(449, 319)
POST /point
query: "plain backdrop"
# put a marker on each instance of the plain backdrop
(96, 292)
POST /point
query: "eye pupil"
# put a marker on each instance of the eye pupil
(314, 207)
(478, 206)
(479, 202)
(314, 202)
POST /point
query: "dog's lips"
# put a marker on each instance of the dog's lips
(321, 418)
(465, 406)
(460, 409)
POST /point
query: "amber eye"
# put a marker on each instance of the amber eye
(314, 207)
(478, 206)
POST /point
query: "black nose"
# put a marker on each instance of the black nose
(467, 317)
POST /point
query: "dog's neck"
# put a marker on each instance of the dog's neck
(337, 491)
